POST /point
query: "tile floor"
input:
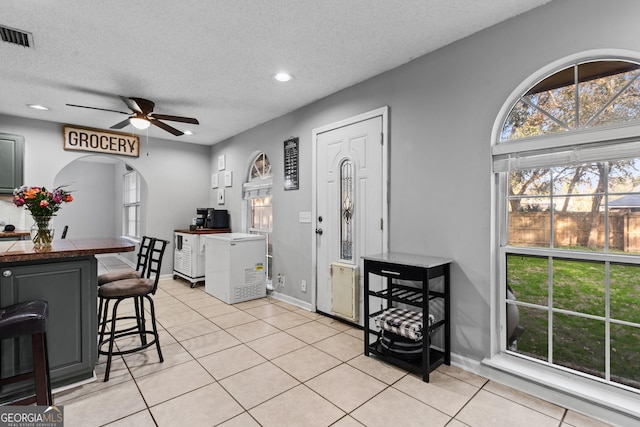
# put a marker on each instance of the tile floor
(268, 363)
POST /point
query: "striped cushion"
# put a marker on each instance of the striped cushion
(405, 323)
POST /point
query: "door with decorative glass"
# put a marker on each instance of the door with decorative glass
(350, 202)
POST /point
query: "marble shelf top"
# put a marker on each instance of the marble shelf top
(423, 261)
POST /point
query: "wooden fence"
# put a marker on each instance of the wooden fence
(573, 229)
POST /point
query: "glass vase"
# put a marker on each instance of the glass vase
(42, 231)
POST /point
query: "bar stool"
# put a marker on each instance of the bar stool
(140, 271)
(29, 318)
(138, 289)
(141, 265)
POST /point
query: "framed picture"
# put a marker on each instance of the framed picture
(221, 196)
(227, 178)
(214, 180)
(221, 162)
(291, 171)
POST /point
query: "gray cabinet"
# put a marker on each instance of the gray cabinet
(69, 286)
(11, 162)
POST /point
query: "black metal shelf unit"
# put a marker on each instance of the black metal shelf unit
(394, 267)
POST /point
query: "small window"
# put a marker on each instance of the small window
(257, 193)
(346, 210)
(131, 205)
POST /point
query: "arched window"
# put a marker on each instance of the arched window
(568, 216)
(257, 193)
(584, 95)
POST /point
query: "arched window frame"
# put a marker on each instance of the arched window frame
(616, 141)
(257, 193)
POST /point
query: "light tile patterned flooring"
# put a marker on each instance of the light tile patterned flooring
(268, 363)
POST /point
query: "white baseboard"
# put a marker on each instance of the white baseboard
(290, 300)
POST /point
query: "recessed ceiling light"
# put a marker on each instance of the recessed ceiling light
(38, 107)
(188, 132)
(283, 77)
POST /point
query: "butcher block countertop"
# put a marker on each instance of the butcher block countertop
(15, 233)
(23, 250)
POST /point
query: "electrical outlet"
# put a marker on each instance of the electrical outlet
(280, 280)
(303, 285)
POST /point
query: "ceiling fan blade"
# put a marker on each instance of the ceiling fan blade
(176, 118)
(121, 124)
(139, 105)
(96, 108)
(133, 105)
(166, 127)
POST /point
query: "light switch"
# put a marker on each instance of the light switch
(304, 217)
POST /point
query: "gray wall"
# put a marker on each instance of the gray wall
(93, 211)
(177, 175)
(442, 110)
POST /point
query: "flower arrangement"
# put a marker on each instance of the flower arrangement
(39, 201)
(42, 204)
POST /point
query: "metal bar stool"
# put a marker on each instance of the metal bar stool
(140, 289)
(29, 318)
(140, 271)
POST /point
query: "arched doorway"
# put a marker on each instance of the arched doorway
(97, 209)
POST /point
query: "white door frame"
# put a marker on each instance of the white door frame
(384, 112)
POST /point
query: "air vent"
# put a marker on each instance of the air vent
(19, 37)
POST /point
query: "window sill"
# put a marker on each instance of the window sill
(583, 395)
(131, 239)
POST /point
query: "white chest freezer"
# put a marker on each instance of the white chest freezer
(235, 266)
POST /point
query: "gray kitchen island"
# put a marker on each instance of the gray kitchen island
(64, 275)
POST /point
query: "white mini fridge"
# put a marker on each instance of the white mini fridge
(235, 266)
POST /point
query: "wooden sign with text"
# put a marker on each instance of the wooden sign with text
(100, 141)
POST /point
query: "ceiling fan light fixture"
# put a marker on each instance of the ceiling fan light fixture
(140, 123)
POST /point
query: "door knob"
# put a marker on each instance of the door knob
(6, 273)
(319, 231)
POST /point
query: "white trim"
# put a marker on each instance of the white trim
(384, 113)
(620, 132)
(293, 301)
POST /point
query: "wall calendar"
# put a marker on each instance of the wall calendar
(291, 171)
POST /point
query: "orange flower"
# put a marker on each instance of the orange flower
(31, 193)
(68, 198)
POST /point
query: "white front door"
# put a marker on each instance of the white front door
(351, 205)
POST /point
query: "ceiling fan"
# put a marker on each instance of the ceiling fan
(142, 115)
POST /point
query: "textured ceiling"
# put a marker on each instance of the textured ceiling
(214, 59)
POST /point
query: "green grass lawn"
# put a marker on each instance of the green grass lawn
(579, 286)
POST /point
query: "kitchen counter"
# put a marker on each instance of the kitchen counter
(14, 235)
(66, 276)
(204, 231)
(24, 250)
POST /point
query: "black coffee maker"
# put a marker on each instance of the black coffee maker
(212, 218)
(201, 220)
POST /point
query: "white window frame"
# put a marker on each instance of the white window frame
(567, 387)
(131, 199)
(256, 188)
